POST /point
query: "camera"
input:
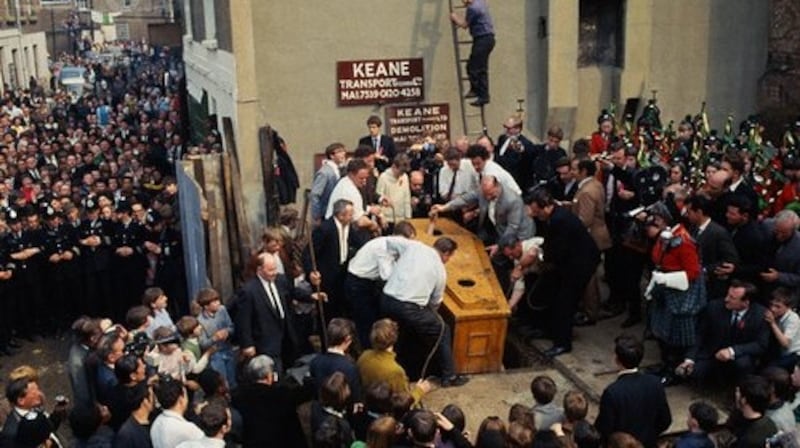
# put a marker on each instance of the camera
(140, 345)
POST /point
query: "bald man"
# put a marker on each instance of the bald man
(265, 319)
(500, 212)
(515, 153)
(716, 189)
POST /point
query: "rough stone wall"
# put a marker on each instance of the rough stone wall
(779, 88)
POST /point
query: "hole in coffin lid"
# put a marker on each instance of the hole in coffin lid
(466, 282)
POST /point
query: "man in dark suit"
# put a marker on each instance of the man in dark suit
(382, 144)
(573, 256)
(715, 244)
(731, 336)
(335, 242)
(563, 184)
(622, 263)
(635, 403)
(515, 152)
(547, 154)
(734, 164)
(268, 407)
(751, 243)
(26, 398)
(264, 317)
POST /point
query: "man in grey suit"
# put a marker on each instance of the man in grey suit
(500, 212)
(784, 247)
(325, 179)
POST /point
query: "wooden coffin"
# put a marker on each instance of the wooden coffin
(474, 304)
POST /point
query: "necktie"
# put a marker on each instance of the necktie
(375, 142)
(735, 320)
(275, 299)
(452, 186)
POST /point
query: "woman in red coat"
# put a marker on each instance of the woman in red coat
(677, 290)
(601, 139)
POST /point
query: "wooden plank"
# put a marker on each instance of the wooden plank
(265, 134)
(230, 217)
(219, 252)
(246, 237)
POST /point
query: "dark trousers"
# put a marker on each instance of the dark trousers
(426, 325)
(709, 369)
(478, 65)
(571, 284)
(623, 267)
(363, 297)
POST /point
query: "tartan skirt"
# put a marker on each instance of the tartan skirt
(673, 313)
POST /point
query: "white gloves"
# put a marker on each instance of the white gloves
(675, 280)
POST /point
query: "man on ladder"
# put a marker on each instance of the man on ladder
(479, 22)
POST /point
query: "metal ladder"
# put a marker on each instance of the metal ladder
(474, 123)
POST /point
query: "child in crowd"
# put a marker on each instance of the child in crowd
(519, 413)
(545, 412)
(576, 406)
(702, 420)
(167, 357)
(190, 329)
(155, 300)
(137, 320)
(455, 415)
(784, 324)
(217, 330)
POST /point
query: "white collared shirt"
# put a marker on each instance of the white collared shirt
(465, 179)
(170, 429)
(346, 189)
(343, 233)
(702, 227)
(735, 185)
(498, 172)
(419, 276)
(375, 260)
(272, 294)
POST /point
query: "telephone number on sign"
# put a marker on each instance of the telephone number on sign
(380, 93)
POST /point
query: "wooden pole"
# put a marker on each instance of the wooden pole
(313, 253)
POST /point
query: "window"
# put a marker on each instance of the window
(82, 4)
(123, 32)
(600, 40)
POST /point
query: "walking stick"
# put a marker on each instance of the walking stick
(320, 295)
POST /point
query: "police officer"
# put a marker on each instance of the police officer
(128, 262)
(24, 247)
(62, 268)
(94, 239)
(165, 245)
(7, 266)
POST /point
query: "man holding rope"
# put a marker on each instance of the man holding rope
(412, 296)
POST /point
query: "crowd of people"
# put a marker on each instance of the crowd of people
(349, 321)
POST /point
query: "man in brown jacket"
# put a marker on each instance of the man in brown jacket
(589, 206)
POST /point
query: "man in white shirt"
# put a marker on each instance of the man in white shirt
(456, 177)
(348, 188)
(372, 265)
(170, 428)
(483, 166)
(413, 293)
(215, 422)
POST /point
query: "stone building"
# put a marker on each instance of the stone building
(566, 59)
(23, 50)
